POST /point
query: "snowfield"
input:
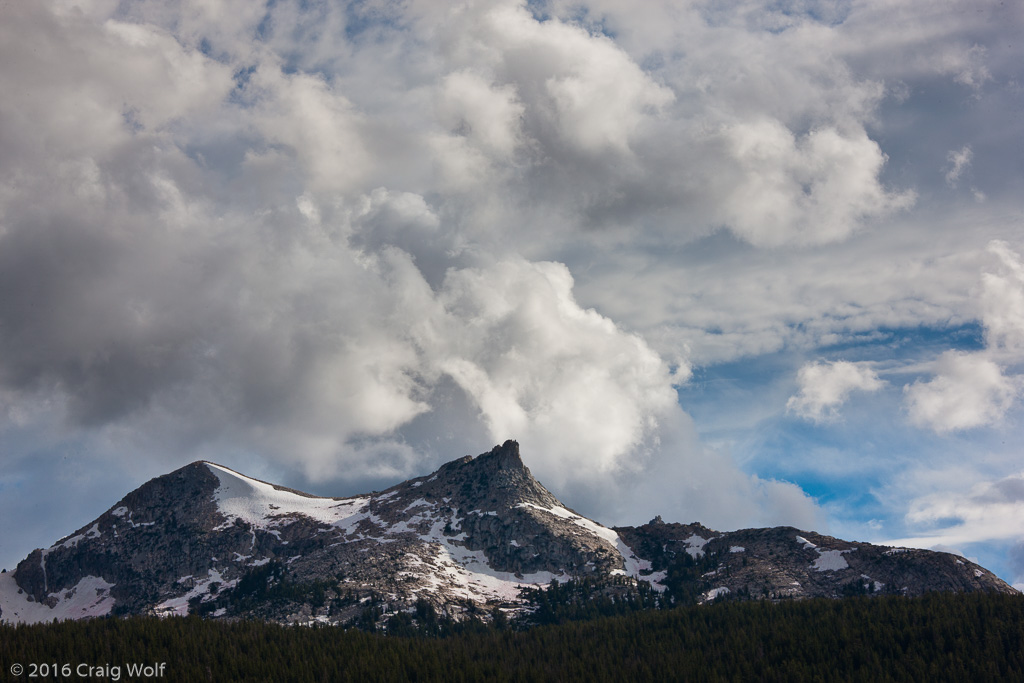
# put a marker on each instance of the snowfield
(90, 597)
(264, 506)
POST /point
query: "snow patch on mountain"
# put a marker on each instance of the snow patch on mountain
(470, 576)
(806, 544)
(695, 546)
(828, 560)
(72, 541)
(90, 597)
(831, 560)
(203, 588)
(634, 566)
(264, 505)
(456, 570)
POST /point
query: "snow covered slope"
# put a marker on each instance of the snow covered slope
(265, 506)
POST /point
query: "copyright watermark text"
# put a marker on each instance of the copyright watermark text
(108, 672)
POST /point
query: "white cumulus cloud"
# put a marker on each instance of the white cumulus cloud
(809, 190)
(969, 390)
(825, 386)
(562, 379)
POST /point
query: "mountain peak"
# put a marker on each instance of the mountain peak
(211, 540)
(491, 481)
(506, 456)
(502, 457)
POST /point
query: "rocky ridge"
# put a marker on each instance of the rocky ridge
(463, 540)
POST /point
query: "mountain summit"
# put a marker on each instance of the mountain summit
(465, 540)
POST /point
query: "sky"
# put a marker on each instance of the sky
(748, 263)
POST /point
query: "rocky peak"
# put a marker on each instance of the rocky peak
(503, 457)
(494, 505)
(497, 480)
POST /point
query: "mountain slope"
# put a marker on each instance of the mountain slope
(464, 539)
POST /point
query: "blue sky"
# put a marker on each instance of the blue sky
(746, 263)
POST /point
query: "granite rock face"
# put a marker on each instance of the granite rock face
(506, 513)
(464, 539)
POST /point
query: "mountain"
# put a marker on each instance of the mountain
(470, 539)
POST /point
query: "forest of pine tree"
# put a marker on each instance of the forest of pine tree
(938, 637)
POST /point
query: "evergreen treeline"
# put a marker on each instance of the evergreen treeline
(938, 637)
(589, 598)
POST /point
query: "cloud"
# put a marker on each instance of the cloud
(563, 379)
(1017, 565)
(1002, 301)
(989, 511)
(814, 190)
(972, 389)
(479, 111)
(688, 481)
(581, 93)
(601, 140)
(966, 65)
(968, 391)
(959, 161)
(228, 254)
(824, 387)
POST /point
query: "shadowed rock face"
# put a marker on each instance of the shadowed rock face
(155, 534)
(494, 480)
(205, 538)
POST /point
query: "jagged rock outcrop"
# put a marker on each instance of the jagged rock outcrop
(467, 537)
(507, 514)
